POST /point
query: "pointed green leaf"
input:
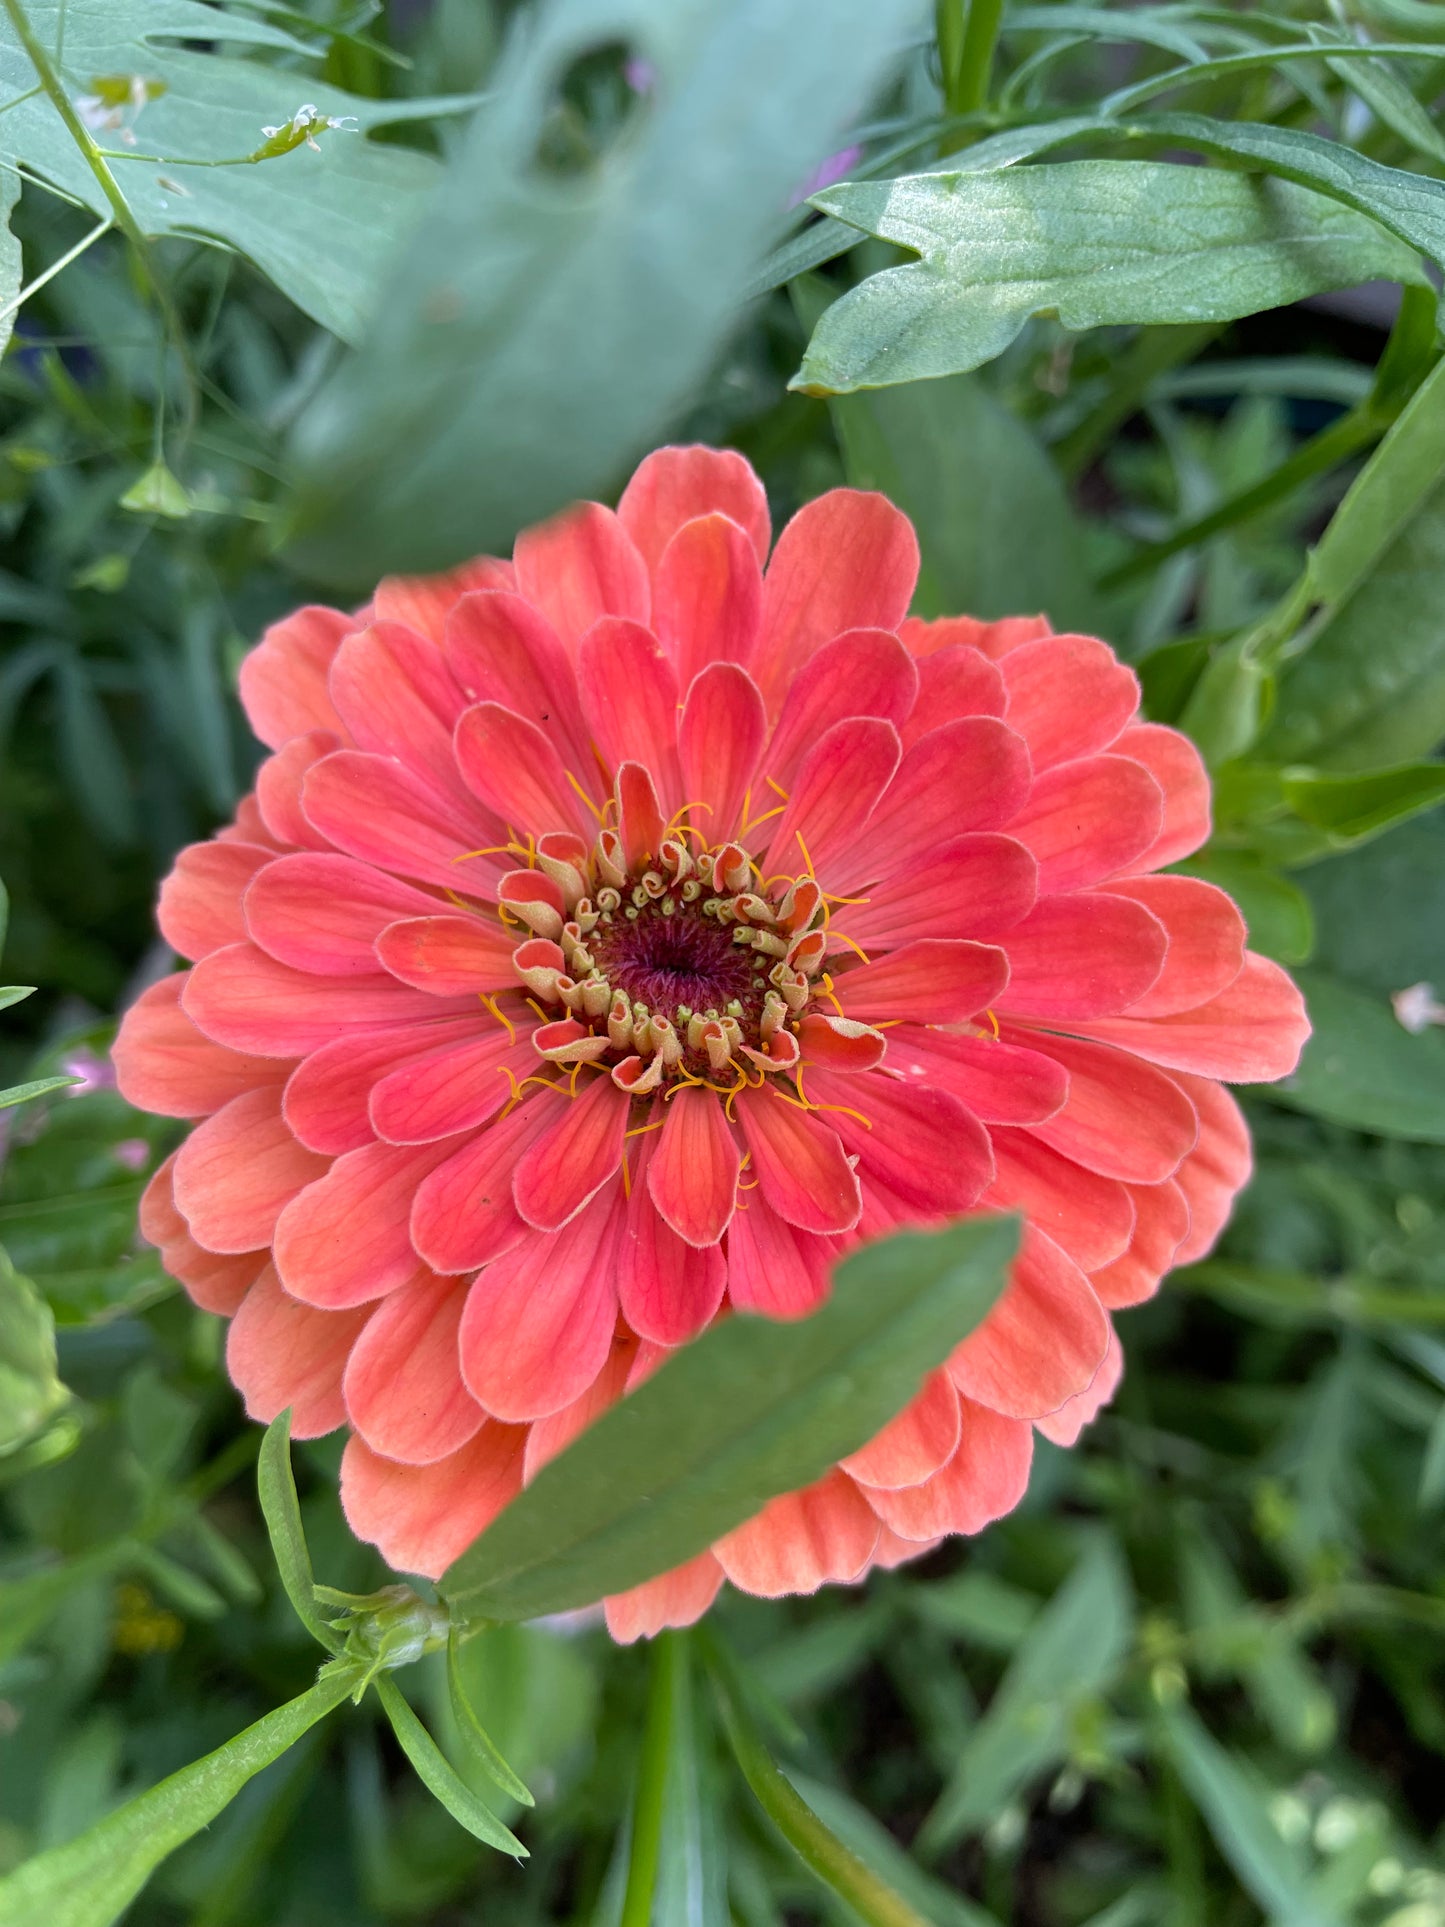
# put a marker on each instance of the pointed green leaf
(479, 1742)
(439, 1776)
(1357, 807)
(282, 1510)
(31, 1393)
(37, 1087)
(1069, 1653)
(750, 1409)
(91, 1881)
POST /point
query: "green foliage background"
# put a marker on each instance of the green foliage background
(1197, 1678)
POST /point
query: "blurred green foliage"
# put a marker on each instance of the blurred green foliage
(1197, 1679)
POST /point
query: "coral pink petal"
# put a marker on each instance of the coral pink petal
(692, 1174)
(450, 1089)
(280, 1353)
(676, 1598)
(954, 683)
(1122, 1118)
(916, 1444)
(848, 560)
(283, 680)
(237, 1170)
(1043, 1341)
(984, 1480)
(580, 566)
(378, 811)
(1064, 1426)
(1161, 1224)
(991, 639)
(866, 672)
(422, 1517)
(539, 1320)
(1251, 1033)
(773, 1270)
(548, 1436)
(249, 826)
(720, 739)
(464, 1214)
(674, 486)
(1000, 1083)
(1216, 1170)
(345, 1239)
(163, 1063)
(839, 782)
(968, 775)
(513, 768)
(281, 788)
(557, 1175)
(707, 597)
(1089, 1217)
(1084, 956)
(502, 650)
(802, 1540)
(1178, 769)
(323, 914)
(921, 1143)
(448, 956)
(245, 999)
(800, 1163)
(935, 980)
(328, 1097)
(424, 602)
(215, 1281)
(630, 697)
(1068, 696)
(668, 1289)
(1206, 941)
(974, 886)
(200, 902)
(1089, 819)
(403, 1384)
(395, 694)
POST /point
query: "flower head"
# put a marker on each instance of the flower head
(616, 937)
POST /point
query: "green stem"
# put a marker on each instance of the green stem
(949, 17)
(975, 66)
(40, 60)
(669, 1659)
(1322, 452)
(1153, 353)
(871, 1899)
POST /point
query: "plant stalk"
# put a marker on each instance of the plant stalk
(669, 1659)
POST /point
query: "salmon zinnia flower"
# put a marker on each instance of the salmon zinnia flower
(619, 935)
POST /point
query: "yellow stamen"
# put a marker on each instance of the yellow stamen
(777, 788)
(538, 1008)
(994, 1022)
(833, 899)
(501, 1016)
(798, 837)
(641, 1130)
(583, 794)
(757, 821)
(843, 937)
(626, 1177)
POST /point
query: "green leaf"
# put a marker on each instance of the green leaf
(542, 328)
(31, 1393)
(1276, 911)
(282, 1511)
(1362, 1067)
(91, 1881)
(750, 1409)
(876, 1847)
(477, 1740)
(994, 524)
(1233, 1806)
(1356, 807)
(692, 1872)
(10, 263)
(1068, 1655)
(37, 1087)
(439, 1776)
(867, 1894)
(1097, 242)
(1380, 910)
(320, 223)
